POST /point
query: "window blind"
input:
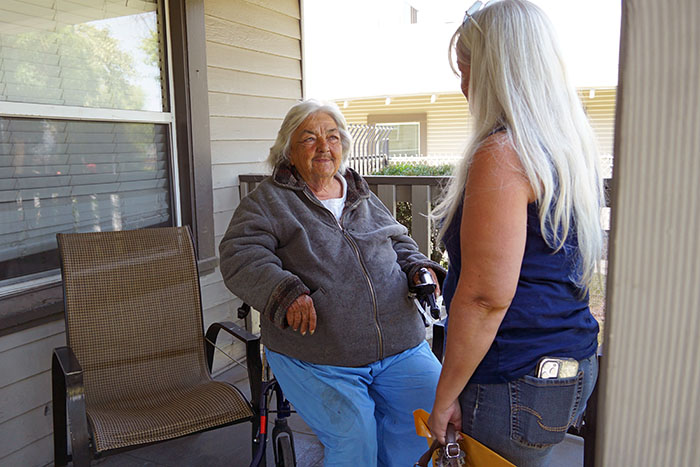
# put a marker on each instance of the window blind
(76, 176)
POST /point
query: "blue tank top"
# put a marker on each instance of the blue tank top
(547, 317)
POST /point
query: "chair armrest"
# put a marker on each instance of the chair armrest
(68, 363)
(252, 350)
(69, 399)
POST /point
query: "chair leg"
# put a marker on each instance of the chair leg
(80, 440)
(58, 401)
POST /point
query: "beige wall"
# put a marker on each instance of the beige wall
(26, 422)
(254, 74)
(449, 123)
(601, 112)
(254, 71)
(447, 118)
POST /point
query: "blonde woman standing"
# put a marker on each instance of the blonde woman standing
(521, 223)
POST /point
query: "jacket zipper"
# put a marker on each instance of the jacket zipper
(364, 270)
(371, 289)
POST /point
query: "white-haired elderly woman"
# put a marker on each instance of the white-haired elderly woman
(328, 267)
(521, 223)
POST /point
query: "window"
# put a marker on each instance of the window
(410, 134)
(96, 110)
(404, 139)
(84, 132)
(76, 176)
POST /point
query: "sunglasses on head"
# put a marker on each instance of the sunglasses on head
(469, 14)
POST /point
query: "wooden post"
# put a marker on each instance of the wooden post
(243, 190)
(420, 220)
(387, 193)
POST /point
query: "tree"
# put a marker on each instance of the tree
(78, 65)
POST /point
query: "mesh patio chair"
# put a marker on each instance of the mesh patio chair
(137, 367)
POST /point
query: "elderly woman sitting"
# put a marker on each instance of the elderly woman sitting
(328, 267)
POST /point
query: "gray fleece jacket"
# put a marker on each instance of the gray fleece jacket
(282, 242)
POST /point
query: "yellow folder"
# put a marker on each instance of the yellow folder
(477, 455)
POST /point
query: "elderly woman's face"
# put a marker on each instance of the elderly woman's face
(316, 149)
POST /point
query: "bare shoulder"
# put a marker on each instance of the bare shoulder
(498, 149)
(496, 164)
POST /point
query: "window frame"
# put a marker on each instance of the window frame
(41, 300)
(399, 128)
(421, 118)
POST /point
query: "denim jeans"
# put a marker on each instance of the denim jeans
(523, 419)
(363, 415)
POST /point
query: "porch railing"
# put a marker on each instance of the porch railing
(370, 150)
(420, 192)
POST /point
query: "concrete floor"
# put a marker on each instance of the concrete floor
(230, 446)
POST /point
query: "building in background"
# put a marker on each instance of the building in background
(387, 63)
(436, 127)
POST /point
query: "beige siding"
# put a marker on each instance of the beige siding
(449, 122)
(601, 112)
(447, 117)
(25, 394)
(254, 73)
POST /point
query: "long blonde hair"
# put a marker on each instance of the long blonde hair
(518, 81)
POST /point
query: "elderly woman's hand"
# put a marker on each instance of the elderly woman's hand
(301, 315)
(416, 278)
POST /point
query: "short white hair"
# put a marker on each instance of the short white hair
(279, 152)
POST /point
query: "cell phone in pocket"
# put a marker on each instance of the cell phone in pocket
(555, 367)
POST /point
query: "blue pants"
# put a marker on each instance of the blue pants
(523, 419)
(363, 415)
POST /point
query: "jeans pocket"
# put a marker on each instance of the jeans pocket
(542, 409)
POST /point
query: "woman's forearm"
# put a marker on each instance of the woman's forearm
(472, 329)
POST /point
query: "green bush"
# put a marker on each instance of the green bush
(409, 168)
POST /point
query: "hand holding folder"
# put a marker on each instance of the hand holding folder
(474, 453)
